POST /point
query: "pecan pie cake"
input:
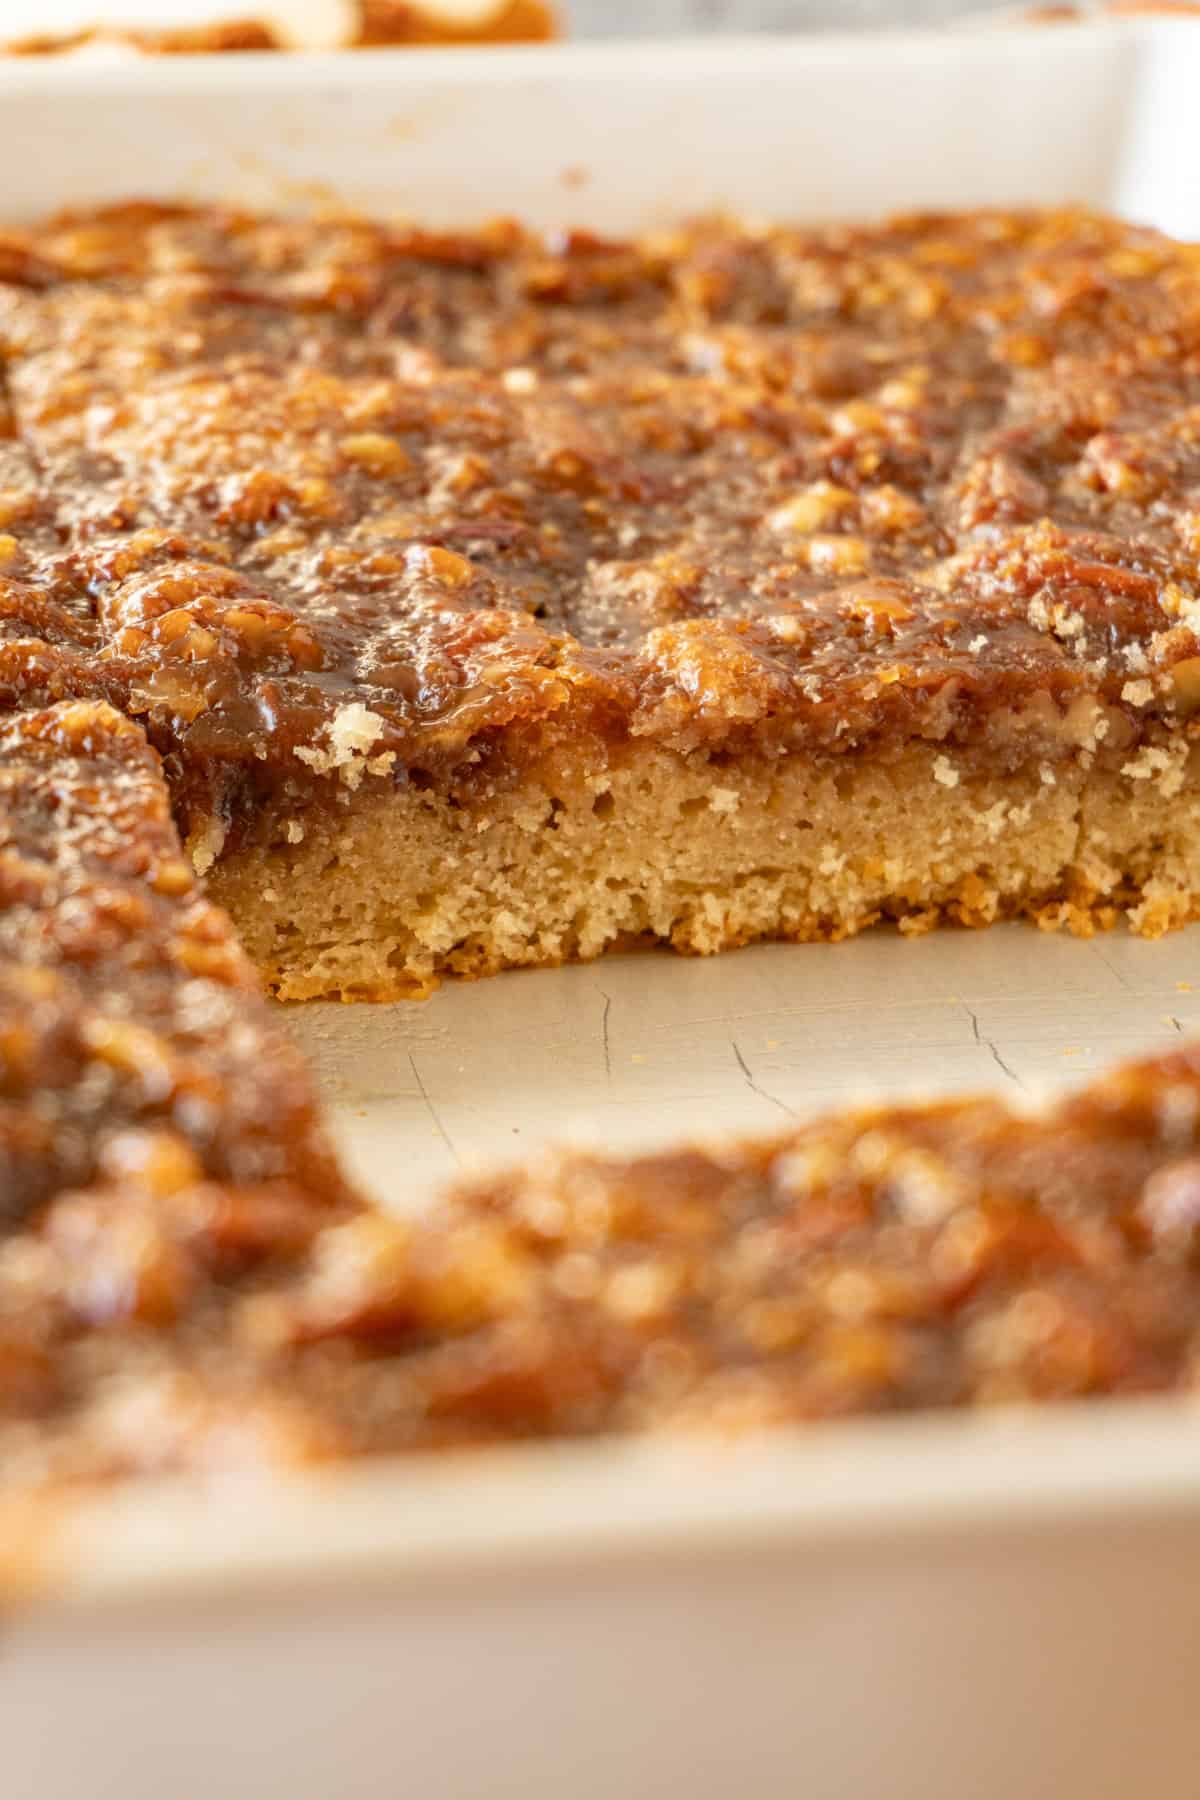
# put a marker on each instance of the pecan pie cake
(185, 1283)
(441, 602)
(494, 599)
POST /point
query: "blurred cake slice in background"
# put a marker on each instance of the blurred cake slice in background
(393, 22)
(167, 27)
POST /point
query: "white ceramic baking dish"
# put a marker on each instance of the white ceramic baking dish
(934, 1609)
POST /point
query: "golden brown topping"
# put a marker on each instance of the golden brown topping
(793, 488)
(133, 1045)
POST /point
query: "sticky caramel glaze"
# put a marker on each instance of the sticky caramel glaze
(133, 1040)
(827, 490)
(876, 1261)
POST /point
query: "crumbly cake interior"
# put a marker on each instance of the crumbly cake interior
(492, 597)
(704, 858)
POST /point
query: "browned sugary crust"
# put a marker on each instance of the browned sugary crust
(341, 510)
(132, 1035)
(159, 1144)
(884, 1260)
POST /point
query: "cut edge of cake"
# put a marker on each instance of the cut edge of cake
(381, 898)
